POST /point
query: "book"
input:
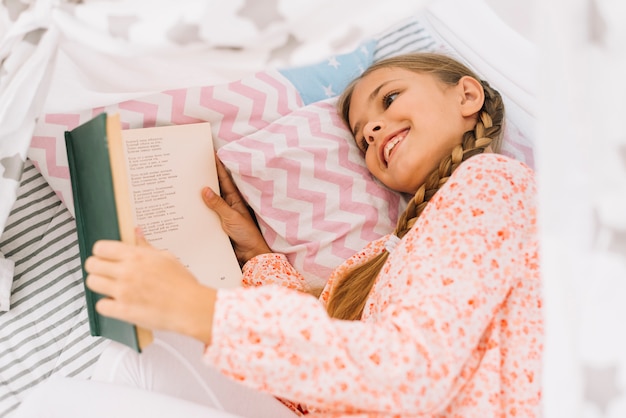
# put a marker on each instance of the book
(151, 178)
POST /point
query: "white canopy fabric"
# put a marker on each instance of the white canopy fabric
(27, 48)
(581, 167)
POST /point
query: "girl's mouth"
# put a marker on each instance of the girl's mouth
(391, 144)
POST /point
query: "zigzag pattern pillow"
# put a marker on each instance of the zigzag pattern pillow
(306, 180)
(235, 110)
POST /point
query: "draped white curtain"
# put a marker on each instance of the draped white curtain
(27, 46)
(581, 165)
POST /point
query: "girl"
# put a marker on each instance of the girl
(442, 318)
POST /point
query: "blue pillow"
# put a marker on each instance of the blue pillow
(329, 78)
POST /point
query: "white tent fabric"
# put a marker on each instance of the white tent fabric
(581, 166)
(27, 46)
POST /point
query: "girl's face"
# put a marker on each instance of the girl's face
(407, 122)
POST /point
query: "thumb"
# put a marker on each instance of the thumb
(140, 239)
(216, 203)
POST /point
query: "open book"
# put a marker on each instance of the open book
(151, 178)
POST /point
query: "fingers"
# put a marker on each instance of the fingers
(107, 307)
(222, 173)
(117, 250)
(110, 250)
(108, 256)
(100, 284)
(140, 238)
(226, 181)
(99, 265)
(216, 203)
(113, 308)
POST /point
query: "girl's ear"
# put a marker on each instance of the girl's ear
(472, 95)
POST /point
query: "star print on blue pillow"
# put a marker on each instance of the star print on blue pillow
(329, 78)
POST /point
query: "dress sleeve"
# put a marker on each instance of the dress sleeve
(272, 269)
(427, 321)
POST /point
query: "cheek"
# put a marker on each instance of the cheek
(371, 163)
(377, 172)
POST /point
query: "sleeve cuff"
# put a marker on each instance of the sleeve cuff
(272, 269)
(266, 258)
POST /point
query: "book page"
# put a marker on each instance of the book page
(167, 167)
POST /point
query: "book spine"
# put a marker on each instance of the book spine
(94, 327)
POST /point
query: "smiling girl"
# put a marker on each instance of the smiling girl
(441, 318)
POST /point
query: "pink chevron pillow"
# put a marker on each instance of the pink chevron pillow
(306, 180)
(235, 110)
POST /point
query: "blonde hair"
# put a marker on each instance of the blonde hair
(349, 295)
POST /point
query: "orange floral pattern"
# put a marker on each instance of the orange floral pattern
(453, 326)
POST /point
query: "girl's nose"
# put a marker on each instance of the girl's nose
(371, 130)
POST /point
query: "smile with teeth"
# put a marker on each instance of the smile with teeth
(391, 144)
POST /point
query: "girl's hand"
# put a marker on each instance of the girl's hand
(237, 221)
(149, 288)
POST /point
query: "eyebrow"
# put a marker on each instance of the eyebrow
(371, 97)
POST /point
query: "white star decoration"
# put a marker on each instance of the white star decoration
(261, 13)
(601, 386)
(119, 26)
(332, 62)
(184, 33)
(328, 91)
(12, 167)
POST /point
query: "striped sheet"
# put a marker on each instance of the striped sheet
(405, 37)
(46, 331)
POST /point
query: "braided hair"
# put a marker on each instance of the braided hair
(350, 293)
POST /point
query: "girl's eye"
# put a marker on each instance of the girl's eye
(389, 98)
(363, 144)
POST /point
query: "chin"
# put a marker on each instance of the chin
(404, 190)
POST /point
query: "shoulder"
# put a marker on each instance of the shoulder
(495, 171)
(487, 183)
(493, 165)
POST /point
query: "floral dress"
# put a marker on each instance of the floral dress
(452, 327)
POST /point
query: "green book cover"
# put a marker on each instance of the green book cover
(96, 215)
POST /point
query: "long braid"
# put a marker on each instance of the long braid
(485, 134)
(348, 298)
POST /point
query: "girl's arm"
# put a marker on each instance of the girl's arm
(431, 321)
